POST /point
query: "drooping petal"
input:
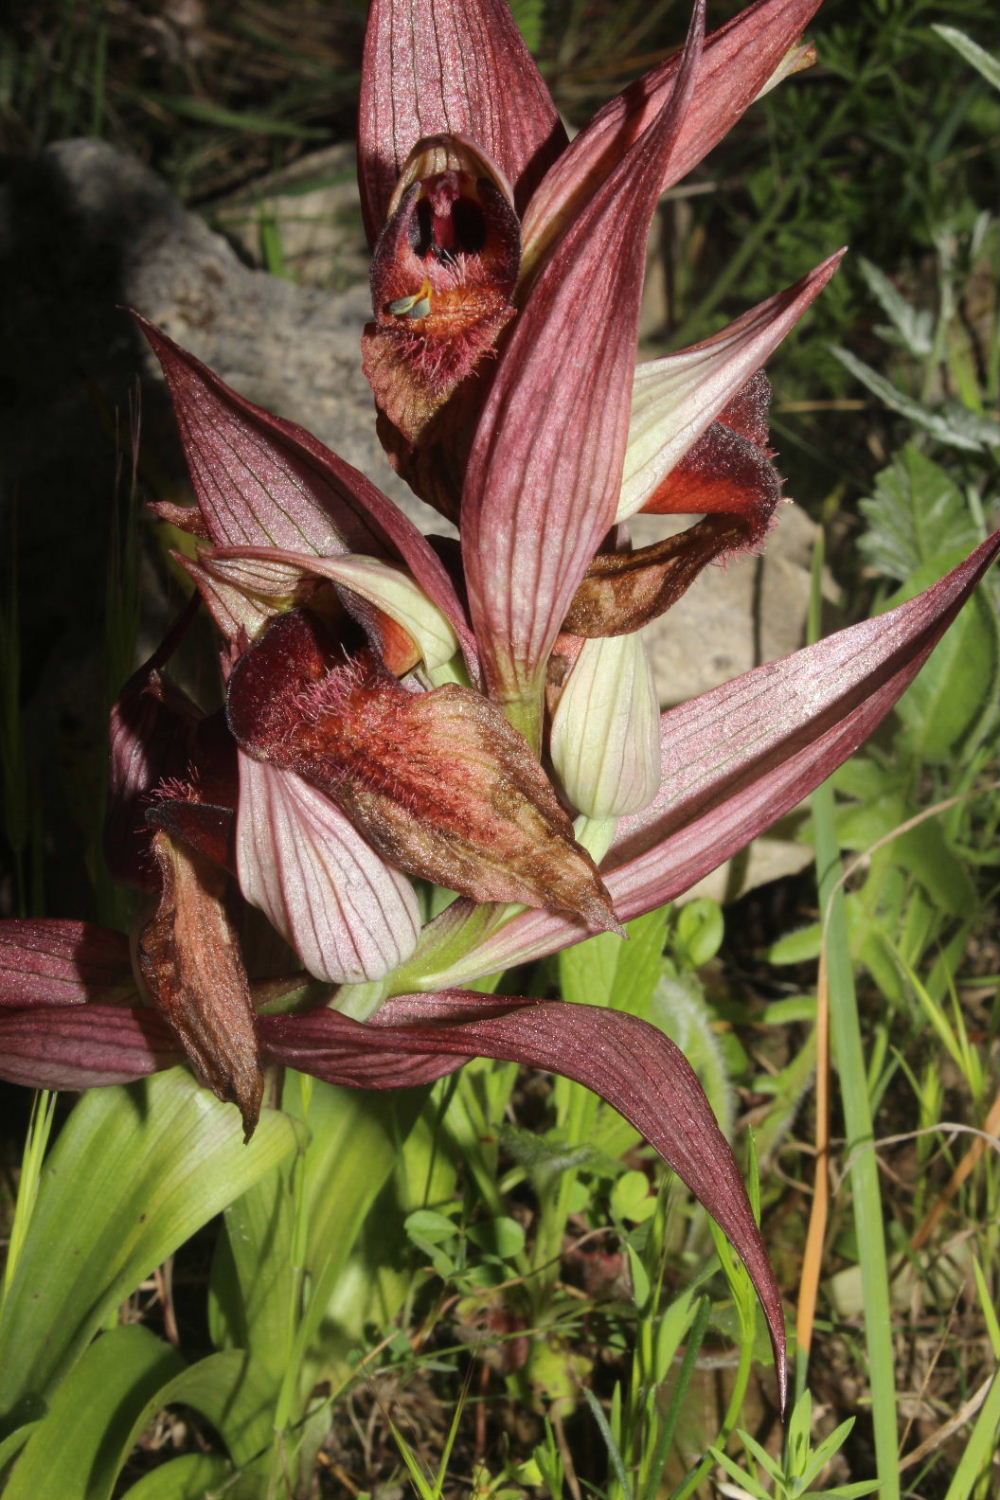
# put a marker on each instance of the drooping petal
(439, 783)
(85, 1046)
(460, 68)
(740, 59)
(544, 473)
(734, 761)
(152, 731)
(674, 399)
(725, 475)
(191, 967)
(628, 1062)
(605, 734)
(347, 914)
(262, 481)
(50, 962)
(271, 573)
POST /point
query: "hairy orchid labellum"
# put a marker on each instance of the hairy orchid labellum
(398, 712)
(443, 276)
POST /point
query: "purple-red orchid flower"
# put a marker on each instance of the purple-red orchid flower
(397, 711)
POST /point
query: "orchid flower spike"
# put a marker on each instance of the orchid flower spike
(402, 713)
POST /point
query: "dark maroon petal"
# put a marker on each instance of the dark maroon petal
(60, 963)
(462, 68)
(151, 737)
(545, 471)
(263, 481)
(82, 1048)
(628, 1062)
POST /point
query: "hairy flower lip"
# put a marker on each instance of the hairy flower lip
(443, 276)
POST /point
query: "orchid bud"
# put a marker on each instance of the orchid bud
(605, 737)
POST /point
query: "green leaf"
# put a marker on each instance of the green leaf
(502, 1236)
(915, 325)
(427, 1224)
(193, 1476)
(952, 424)
(97, 1413)
(699, 932)
(984, 62)
(608, 970)
(916, 514)
(134, 1173)
(942, 706)
(631, 1197)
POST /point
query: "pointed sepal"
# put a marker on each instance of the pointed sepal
(191, 967)
(463, 69)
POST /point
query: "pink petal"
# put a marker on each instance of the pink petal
(628, 1062)
(739, 60)
(262, 481)
(545, 469)
(348, 915)
(460, 68)
(85, 1047)
(60, 963)
(674, 399)
(734, 761)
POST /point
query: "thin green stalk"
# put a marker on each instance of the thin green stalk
(35, 1146)
(849, 1061)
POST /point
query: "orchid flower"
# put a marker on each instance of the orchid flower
(479, 717)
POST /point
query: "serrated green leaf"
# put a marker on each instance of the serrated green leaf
(916, 513)
(134, 1173)
(914, 325)
(944, 703)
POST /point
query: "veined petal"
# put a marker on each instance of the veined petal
(735, 760)
(605, 735)
(544, 473)
(739, 61)
(630, 1063)
(459, 67)
(674, 399)
(50, 962)
(85, 1046)
(349, 916)
(262, 481)
(270, 572)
